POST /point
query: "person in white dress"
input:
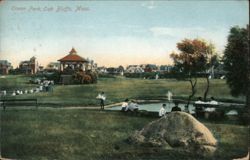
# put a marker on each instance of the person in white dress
(102, 98)
(162, 111)
(125, 105)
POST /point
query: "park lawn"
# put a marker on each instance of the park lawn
(94, 135)
(116, 90)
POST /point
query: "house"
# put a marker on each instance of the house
(150, 68)
(29, 66)
(115, 70)
(134, 69)
(165, 68)
(112, 70)
(53, 66)
(102, 69)
(5, 66)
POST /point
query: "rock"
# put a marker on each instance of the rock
(179, 130)
(244, 158)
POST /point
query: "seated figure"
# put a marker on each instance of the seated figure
(125, 105)
(176, 107)
(162, 111)
(132, 106)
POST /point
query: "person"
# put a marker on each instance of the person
(102, 98)
(132, 106)
(41, 88)
(14, 93)
(4, 93)
(169, 95)
(176, 108)
(199, 109)
(212, 102)
(46, 85)
(125, 105)
(162, 111)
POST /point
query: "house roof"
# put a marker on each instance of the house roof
(72, 57)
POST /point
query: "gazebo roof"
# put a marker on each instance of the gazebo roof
(72, 57)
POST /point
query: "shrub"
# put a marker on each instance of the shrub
(87, 79)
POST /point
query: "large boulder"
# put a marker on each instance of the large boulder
(179, 130)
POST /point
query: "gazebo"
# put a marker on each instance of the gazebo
(73, 61)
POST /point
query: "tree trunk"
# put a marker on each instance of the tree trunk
(207, 89)
(193, 85)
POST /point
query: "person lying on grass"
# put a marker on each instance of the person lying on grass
(132, 106)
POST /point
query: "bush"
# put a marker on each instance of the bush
(87, 79)
(93, 76)
(244, 116)
(147, 75)
(55, 76)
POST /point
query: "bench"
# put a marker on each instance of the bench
(19, 102)
(200, 108)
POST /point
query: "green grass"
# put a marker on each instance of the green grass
(92, 134)
(117, 89)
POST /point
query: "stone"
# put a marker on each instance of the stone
(179, 130)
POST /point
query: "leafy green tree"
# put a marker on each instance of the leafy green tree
(235, 61)
(193, 59)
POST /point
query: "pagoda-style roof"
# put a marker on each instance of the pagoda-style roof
(72, 57)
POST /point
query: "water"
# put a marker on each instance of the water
(155, 107)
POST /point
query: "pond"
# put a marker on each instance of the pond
(155, 107)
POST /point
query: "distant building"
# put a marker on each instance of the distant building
(102, 69)
(150, 68)
(53, 66)
(134, 69)
(112, 70)
(5, 66)
(165, 68)
(115, 70)
(29, 66)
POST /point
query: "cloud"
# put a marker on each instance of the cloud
(216, 35)
(149, 5)
(175, 32)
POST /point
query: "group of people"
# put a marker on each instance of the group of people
(130, 106)
(126, 105)
(212, 101)
(163, 110)
(44, 86)
(200, 109)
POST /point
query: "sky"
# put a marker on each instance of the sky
(113, 33)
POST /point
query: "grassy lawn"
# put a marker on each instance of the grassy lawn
(92, 134)
(116, 89)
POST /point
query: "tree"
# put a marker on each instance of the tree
(191, 60)
(235, 61)
(212, 62)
